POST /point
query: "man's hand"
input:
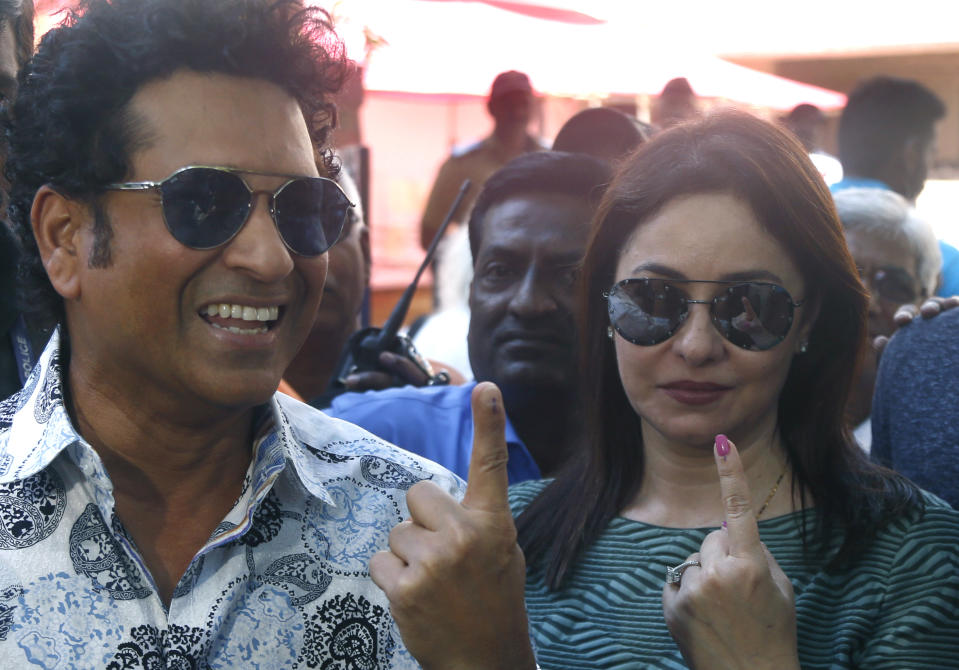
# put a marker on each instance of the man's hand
(736, 609)
(906, 313)
(454, 574)
(398, 371)
(394, 368)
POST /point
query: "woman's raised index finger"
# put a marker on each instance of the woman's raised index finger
(737, 501)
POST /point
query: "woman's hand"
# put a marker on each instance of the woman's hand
(454, 574)
(736, 610)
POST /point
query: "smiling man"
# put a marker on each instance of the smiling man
(527, 235)
(161, 504)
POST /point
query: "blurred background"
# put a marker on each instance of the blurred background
(427, 65)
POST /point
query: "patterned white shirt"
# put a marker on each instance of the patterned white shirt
(283, 581)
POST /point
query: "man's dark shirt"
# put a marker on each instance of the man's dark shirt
(915, 410)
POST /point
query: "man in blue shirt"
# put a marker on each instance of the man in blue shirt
(887, 140)
(527, 235)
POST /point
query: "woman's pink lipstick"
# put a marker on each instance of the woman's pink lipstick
(694, 393)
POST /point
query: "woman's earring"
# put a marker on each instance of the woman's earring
(609, 332)
(804, 347)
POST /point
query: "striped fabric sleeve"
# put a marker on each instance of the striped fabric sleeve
(919, 626)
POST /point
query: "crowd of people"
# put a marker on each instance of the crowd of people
(702, 428)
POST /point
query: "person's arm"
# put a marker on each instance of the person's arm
(445, 189)
(454, 574)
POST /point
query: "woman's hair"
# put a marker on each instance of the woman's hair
(72, 126)
(736, 153)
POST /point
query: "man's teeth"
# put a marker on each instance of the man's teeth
(244, 313)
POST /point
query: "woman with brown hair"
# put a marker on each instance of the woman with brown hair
(718, 299)
(719, 514)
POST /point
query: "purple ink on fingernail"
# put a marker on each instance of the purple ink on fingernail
(722, 445)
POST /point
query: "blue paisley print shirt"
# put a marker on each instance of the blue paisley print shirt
(282, 583)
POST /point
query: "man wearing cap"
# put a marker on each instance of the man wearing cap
(510, 104)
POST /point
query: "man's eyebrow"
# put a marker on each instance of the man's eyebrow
(496, 249)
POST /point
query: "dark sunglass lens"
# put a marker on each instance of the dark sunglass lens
(754, 316)
(204, 208)
(310, 214)
(645, 311)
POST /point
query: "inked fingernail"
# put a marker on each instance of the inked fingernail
(493, 405)
(722, 445)
(724, 525)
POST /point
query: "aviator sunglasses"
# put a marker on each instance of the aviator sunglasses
(752, 315)
(205, 207)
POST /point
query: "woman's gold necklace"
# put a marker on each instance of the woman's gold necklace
(771, 493)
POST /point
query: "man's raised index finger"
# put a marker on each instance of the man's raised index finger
(488, 480)
(737, 501)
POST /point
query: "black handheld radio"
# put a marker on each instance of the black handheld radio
(362, 351)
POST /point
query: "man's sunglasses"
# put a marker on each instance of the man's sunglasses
(752, 315)
(205, 207)
(893, 284)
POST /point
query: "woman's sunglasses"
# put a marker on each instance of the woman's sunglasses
(752, 315)
(205, 207)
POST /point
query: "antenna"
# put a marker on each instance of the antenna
(395, 320)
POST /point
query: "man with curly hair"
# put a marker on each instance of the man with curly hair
(161, 505)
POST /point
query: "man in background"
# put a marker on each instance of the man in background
(510, 104)
(338, 317)
(807, 122)
(887, 139)
(527, 235)
(898, 259)
(677, 102)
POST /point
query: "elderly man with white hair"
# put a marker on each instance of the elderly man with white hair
(899, 260)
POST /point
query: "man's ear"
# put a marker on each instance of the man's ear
(57, 221)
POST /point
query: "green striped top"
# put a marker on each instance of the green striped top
(897, 607)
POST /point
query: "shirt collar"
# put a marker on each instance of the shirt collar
(35, 428)
(858, 182)
(34, 422)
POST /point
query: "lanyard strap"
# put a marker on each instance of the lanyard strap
(22, 349)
